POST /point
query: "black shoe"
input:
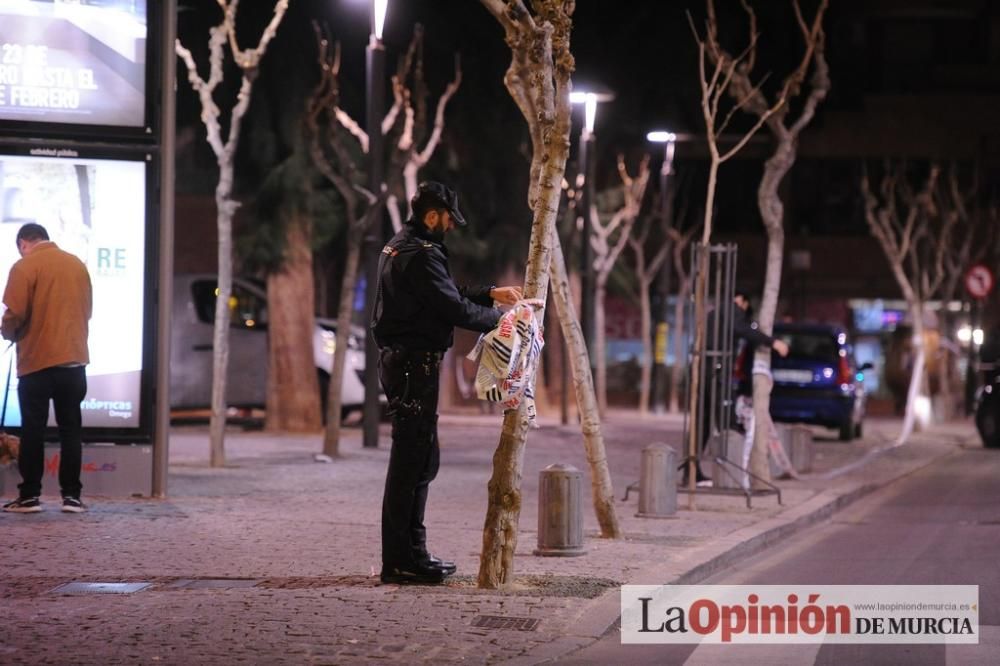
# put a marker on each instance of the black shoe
(413, 574)
(446, 567)
(72, 504)
(700, 480)
(23, 505)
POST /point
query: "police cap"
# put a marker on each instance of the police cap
(442, 195)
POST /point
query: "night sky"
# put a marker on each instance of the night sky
(644, 51)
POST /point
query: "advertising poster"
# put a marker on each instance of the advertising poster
(96, 209)
(73, 62)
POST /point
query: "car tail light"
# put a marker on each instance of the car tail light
(844, 375)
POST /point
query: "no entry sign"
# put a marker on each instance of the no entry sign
(979, 281)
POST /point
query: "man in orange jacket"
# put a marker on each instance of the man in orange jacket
(49, 302)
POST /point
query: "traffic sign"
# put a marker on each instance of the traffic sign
(979, 281)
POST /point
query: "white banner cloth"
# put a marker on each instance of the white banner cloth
(508, 358)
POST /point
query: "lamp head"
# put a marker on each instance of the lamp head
(379, 10)
(590, 98)
(660, 136)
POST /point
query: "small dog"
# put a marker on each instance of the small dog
(9, 447)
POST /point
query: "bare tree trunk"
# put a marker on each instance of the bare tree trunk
(593, 439)
(915, 390)
(335, 392)
(600, 347)
(772, 213)
(410, 172)
(500, 528)
(645, 272)
(226, 207)
(538, 80)
(220, 332)
(392, 205)
(694, 382)
(701, 278)
(730, 76)
(248, 62)
(410, 157)
(905, 242)
(324, 119)
(292, 391)
(496, 565)
(607, 249)
(752, 100)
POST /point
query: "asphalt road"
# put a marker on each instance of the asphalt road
(940, 526)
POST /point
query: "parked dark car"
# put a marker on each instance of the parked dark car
(818, 382)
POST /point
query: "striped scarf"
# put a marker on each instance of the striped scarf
(508, 358)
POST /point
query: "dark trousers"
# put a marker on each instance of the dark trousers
(66, 388)
(410, 382)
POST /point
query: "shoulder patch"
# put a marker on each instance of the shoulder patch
(390, 251)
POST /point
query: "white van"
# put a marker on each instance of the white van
(191, 347)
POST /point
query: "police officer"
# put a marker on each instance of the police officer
(417, 307)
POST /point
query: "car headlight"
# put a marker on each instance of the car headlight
(329, 342)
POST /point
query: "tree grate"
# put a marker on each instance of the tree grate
(500, 622)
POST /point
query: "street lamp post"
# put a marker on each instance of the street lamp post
(587, 161)
(168, 129)
(375, 235)
(668, 139)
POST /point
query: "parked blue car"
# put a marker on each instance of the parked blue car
(818, 382)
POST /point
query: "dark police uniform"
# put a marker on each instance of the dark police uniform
(417, 307)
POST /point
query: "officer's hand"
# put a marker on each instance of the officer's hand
(781, 347)
(506, 295)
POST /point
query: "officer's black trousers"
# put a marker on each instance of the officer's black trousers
(410, 382)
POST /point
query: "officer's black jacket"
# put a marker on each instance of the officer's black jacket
(417, 304)
(743, 329)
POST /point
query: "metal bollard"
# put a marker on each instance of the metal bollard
(802, 448)
(560, 514)
(797, 441)
(657, 482)
(730, 447)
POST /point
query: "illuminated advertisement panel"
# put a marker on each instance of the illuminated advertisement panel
(95, 208)
(80, 62)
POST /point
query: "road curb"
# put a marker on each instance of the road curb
(596, 618)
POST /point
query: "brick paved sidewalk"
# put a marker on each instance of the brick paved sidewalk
(272, 558)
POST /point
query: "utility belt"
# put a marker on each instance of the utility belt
(398, 352)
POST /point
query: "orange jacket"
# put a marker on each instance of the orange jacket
(49, 302)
